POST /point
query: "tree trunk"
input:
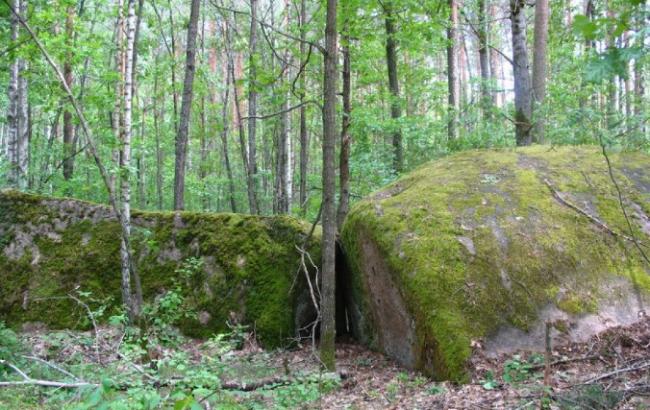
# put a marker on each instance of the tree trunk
(116, 118)
(13, 134)
(68, 127)
(128, 269)
(344, 159)
(639, 87)
(186, 107)
(304, 136)
(224, 144)
(521, 73)
(495, 58)
(539, 66)
(252, 110)
(158, 117)
(393, 85)
(452, 72)
(328, 303)
(484, 58)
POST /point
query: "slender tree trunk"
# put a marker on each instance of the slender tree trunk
(639, 85)
(539, 66)
(393, 85)
(186, 108)
(521, 73)
(13, 126)
(495, 58)
(224, 144)
(116, 118)
(484, 58)
(68, 127)
(328, 301)
(344, 159)
(252, 110)
(304, 136)
(452, 72)
(23, 117)
(128, 269)
(250, 183)
(158, 117)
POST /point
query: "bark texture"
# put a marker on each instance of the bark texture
(328, 306)
(186, 108)
(453, 83)
(521, 73)
(393, 85)
(539, 66)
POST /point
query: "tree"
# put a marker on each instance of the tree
(453, 83)
(252, 111)
(68, 127)
(17, 118)
(328, 248)
(393, 85)
(521, 73)
(186, 106)
(483, 52)
(344, 156)
(304, 136)
(539, 65)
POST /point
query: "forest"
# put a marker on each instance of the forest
(324, 204)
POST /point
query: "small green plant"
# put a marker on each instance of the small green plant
(489, 383)
(518, 370)
(10, 344)
(436, 389)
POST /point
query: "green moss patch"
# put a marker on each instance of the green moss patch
(50, 247)
(477, 241)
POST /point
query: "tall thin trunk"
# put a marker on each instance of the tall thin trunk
(252, 110)
(128, 268)
(393, 85)
(639, 87)
(186, 108)
(610, 43)
(284, 142)
(250, 183)
(68, 127)
(158, 118)
(304, 136)
(452, 72)
(495, 58)
(539, 66)
(328, 301)
(13, 134)
(521, 73)
(484, 58)
(224, 144)
(344, 158)
(116, 117)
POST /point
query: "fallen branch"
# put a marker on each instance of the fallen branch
(617, 372)
(38, 382)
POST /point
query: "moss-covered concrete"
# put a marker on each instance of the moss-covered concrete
(50, 247)
(477, 242)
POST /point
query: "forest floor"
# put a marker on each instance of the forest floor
(611, 370)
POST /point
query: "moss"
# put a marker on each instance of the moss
(527, 246)
(248, 269)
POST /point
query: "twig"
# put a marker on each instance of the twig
(52, 365)
(617, 372)
(620, 199)
(584, 213)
